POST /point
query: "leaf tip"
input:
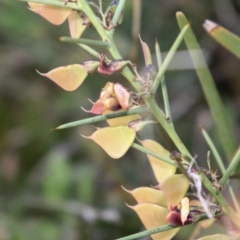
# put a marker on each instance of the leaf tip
(128, 191)
(88, 137)
(209, 26)
(42, 74)
(178, 14)
(132, 207)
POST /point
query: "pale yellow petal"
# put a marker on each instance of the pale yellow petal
(115, 141)
(153, 216)
(175, 188)
(161, 169)
(148, 195)
(68, 77)
(55, 15)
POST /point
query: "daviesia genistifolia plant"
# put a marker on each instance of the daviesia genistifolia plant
(186, 193)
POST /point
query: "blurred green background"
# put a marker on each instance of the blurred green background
(57, 185)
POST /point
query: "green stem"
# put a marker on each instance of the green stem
(95, 22)
(231, 168)
(99, 118)
(221, 166)
(149, 232)
(212, 96)
(214, 150)
(168, 59)
(157, 230)
(163, 84)
(85, 41)
(90, 50)
(117, 14)
(221, 200)
(101, 13)
(156, 155)
(167, 127)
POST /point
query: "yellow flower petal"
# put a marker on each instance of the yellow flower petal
(148, 195)
(55, 15)
(161, 169)
(175, 188)
(215, 237)
(75, 23)
(68, 77)
(115, 141)
(153, 216)
(184, 209)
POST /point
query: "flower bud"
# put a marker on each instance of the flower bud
(107, 91)
(122, 95)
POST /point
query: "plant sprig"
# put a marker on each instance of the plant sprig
(212, 96)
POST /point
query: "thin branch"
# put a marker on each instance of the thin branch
(85, 41)
(117, 14)
(231, 168)
(221, 166)
(157, 230)
(163, 84)
(168, 59)
(156, 155)
(100, 118)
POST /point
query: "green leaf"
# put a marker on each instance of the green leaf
(168, 59)
(226, 38)
(212, 96)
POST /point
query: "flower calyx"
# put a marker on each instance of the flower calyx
(109, 67)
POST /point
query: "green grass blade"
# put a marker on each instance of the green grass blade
(226, 38)
(163, 84)
(168, 59)
(119, 11)
(212, 96)
(231, 168)
(221, 166)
